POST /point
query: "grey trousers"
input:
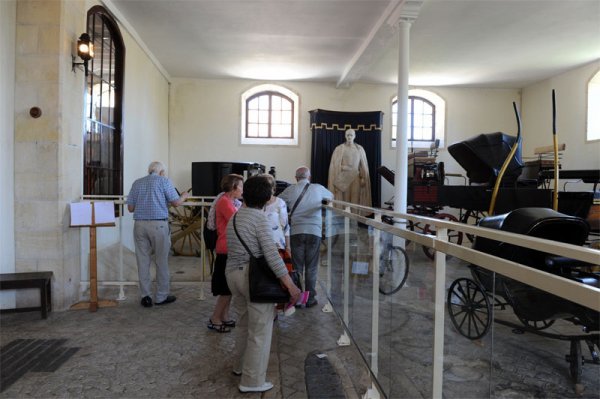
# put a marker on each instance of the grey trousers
(254, 328)
(305, 258)
(152, 236)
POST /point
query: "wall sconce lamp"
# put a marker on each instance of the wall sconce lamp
(85, 51)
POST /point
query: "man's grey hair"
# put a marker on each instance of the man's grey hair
(156, 167)
(302, 172)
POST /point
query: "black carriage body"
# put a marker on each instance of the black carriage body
(530, 303)
(206, 176)
(482, 157)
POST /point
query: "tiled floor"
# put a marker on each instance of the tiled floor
(132, 352)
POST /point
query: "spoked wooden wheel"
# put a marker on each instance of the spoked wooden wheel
(469, 308)
(536, 325)
(455, 237)
(186, 223)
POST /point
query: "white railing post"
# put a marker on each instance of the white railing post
(121, 203)
(439, 304)
(328, 308)
(344, 340)
(375, 312)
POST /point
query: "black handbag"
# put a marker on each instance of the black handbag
(264, 286)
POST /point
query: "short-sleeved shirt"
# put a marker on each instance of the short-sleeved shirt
(211, 222)
(306, 218)
(151, 195)
(278, 218)
(224, 209)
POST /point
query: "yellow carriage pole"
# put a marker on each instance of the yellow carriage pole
(555, 143)
(509, 158)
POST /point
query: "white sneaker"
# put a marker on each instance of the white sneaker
(263, 388)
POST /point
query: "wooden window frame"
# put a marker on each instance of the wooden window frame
(438, 118)
(270, 94)
(272, 90)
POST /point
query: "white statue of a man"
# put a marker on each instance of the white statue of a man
(349, 172)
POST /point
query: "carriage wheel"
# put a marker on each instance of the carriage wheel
(575, 360)
(469, 308)
(536, 325)
(473, 218)
(185, 223)
(455, 237)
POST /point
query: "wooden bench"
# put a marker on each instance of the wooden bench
(41, 280)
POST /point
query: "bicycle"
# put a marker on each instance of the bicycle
(393, 266)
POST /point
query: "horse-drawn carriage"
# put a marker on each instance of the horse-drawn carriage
(482, 157)
(493, 165)
(471, 302)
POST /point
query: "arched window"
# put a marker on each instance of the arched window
(103, 145)
(593, 108)
(426, 118)
(269, 116)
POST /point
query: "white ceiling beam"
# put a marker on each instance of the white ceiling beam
(377, 41)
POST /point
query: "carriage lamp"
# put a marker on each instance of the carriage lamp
(85, 51)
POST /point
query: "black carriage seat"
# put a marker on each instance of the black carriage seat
(482, 157)
(528, 302)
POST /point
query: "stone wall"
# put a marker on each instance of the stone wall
(48, 153)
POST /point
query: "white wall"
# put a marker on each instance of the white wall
(571, 117)
(205, 122)
(8, 11)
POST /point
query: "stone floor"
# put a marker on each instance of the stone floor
(132, 352)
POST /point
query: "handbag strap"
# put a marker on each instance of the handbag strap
(298, 200)
(240, 238)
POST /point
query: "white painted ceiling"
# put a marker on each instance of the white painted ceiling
(476, 43)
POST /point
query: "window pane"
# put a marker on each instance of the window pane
(428, 121)
(276, 117)
(418, 107)
(253, 116)
(263, 102)
(286, 104)
(286, 117)
(253, 130)
(593, 116)
(427, 109)
(263, 130)
(417, 120)
(253, 104)
(263, 116)
(417, 133)
(282, 130)
(275, 103)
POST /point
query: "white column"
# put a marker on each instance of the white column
(401, 175)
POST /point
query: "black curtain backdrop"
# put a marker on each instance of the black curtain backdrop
(328, 131)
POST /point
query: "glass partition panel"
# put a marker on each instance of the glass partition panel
(468, 325)
(541, 345)
(410, 313)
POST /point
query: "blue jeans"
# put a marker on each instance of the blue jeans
(305, 258)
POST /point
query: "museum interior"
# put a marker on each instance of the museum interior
(454, 146)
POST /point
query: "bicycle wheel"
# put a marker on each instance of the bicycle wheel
(454, 237)
(393, 270)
